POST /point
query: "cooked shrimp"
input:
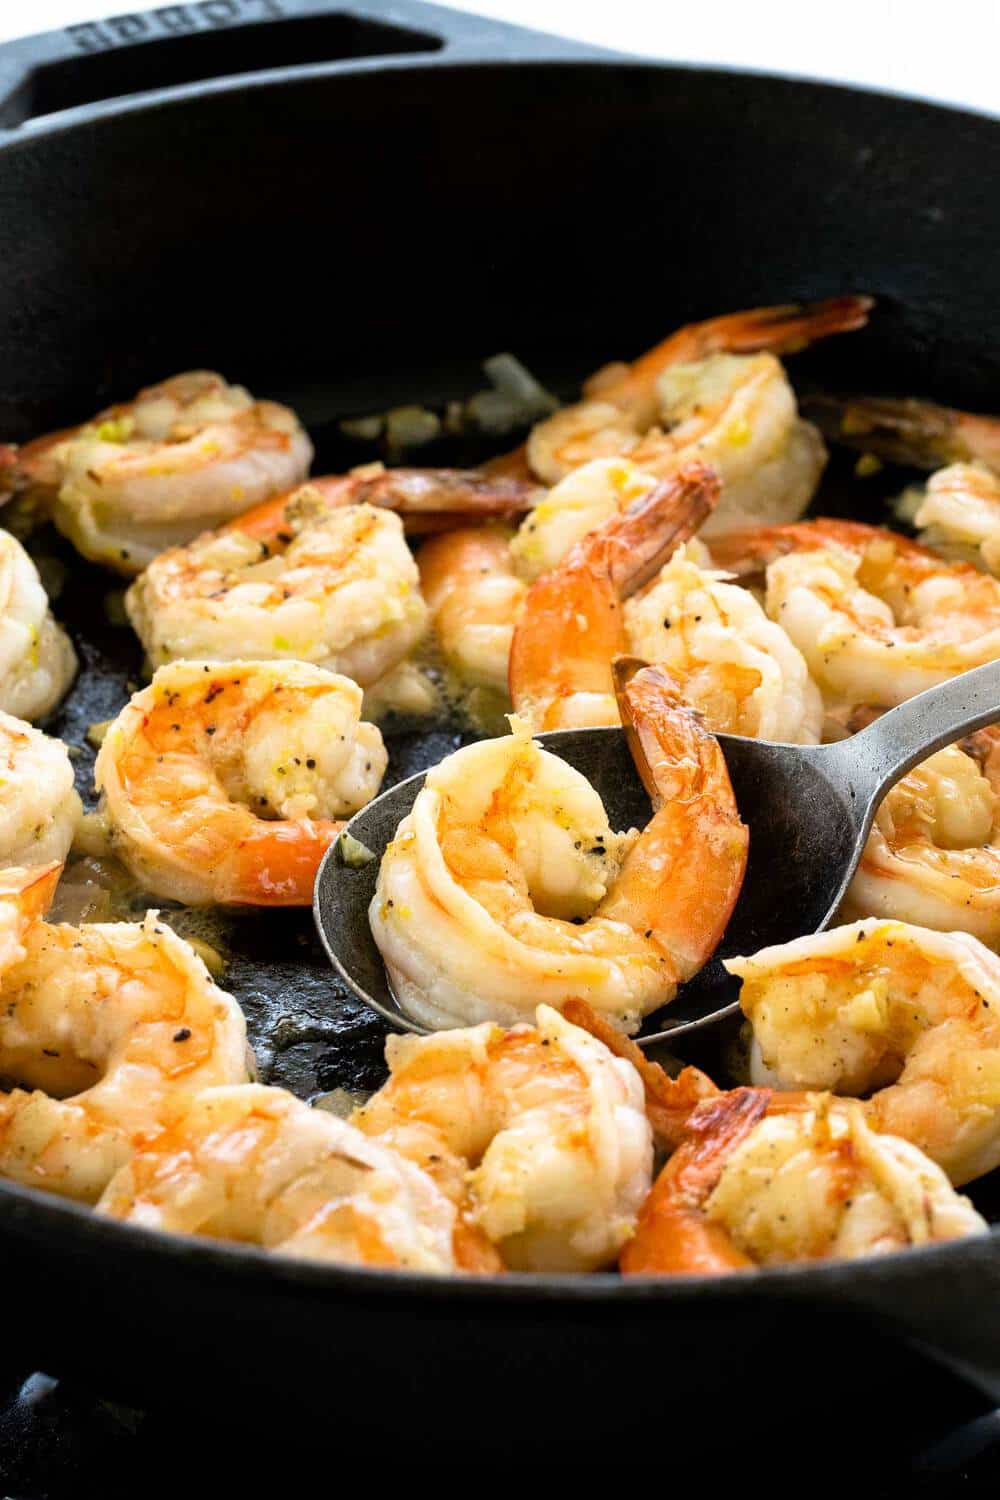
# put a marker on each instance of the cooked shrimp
(337, 587)
(109, 1030)
(39, 807)
(475, 579)
(153, 472)
(37, 662)
(219, 781)
(257, 1165)
(737, 667)
(933, 855)
(877, 617)
(959, 514)
(907, 1015)
(908, 431)
(542, 1126)
(505, 886)
(764, 1179)
(736, 412)
(572, 624)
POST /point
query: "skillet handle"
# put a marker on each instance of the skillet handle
(145, 52)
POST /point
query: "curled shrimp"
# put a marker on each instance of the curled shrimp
(39, 806)
(37, 662)
(763, 1179)
(255, 1164)
(108, 1030)
(933, 855)
(908, 431)
(152, 472)
(505, 886)
(303, 582)
(699, 395)
(758, 1178)
(475, 578)
(878, 618)
(221, 780)
(737, 667)
(904, 1015)
(541, 1128)
(572, 624)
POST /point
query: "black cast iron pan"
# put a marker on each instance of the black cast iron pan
(347, 208)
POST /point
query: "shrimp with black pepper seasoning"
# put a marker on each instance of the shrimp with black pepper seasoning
(108, 1031)
(222, 782)
(506, 887)
(153, 472)
(907, 1017)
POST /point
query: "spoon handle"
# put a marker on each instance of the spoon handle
(878, 756)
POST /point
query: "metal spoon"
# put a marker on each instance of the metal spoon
(809, 810)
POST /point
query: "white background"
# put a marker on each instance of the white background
(942, 49)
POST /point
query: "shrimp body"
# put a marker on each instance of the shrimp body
(475, 579)
(905, 1014)
(737, 667)
(572, 625)
(336, 587)
(256, 1165)
(37, 662)
(694, 396)
(877, 618)
(109, 1030)
(763, 1179)
(39, 806)
(959, 515)
(933, 855)
(221, 780)
(542, 1125)
(505, 886)
(152, 472)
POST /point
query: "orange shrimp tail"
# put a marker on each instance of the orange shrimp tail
(673, 1237)
(25, 897)
(276, 864)
(571, 625)
(669, 1101)
(785, 329)
(696, 844)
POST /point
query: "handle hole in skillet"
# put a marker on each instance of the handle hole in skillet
(197, 55)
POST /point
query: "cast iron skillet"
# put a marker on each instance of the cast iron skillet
(346, 208)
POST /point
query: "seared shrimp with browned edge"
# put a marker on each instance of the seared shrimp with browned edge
(108, 1032)
(877, 617)
(304, 581)
(222, 782)
(757, 1178)
(712, 391)
(152, 472)
(505, 886)
(907, 1017)
(538, 1133)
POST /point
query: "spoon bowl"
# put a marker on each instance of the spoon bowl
(809, 809)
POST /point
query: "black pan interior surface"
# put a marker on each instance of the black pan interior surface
(349, 236)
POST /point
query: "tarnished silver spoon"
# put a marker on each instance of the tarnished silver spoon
(809, 810)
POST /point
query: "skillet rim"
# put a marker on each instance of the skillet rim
(39, 1210)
